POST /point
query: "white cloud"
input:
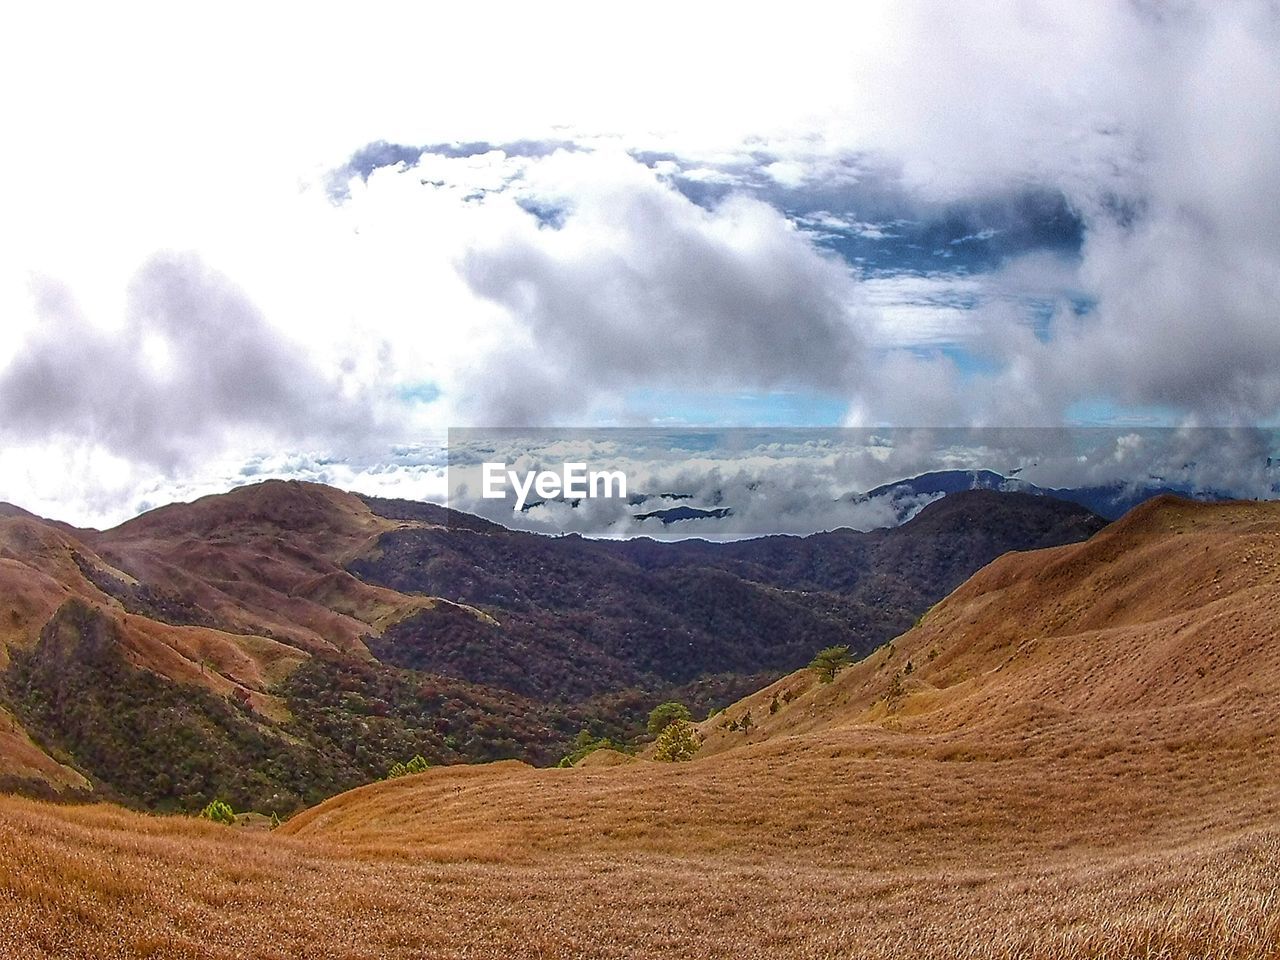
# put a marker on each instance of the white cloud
(148, 131)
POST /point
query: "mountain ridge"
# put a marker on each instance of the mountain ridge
(351, 632)
(1084, 767)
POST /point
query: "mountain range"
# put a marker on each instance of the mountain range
(285, 641)
(1071, 755)
(1110, 500)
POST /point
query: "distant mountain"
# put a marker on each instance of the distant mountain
(582, 617)
(942, 482)
(285, 641)
(681, 513)
(1109, 500)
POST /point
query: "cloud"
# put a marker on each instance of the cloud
(380, 154)
(804, 480)
(639, 286)
(193, 361)
(992, 213)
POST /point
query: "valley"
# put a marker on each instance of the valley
(1072, 755)
(283, 642)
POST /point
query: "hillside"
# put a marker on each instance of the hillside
(286, 641)
(581, 617)
(1080, 763)
(1171, 612)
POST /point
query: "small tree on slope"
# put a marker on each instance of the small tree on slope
(829, 662)
(665, 714)
(679, 741)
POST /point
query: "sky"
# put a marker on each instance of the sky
(295, 240)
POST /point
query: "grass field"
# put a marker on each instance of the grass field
(1082, 761)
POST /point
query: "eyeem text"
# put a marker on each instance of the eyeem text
(573, 481)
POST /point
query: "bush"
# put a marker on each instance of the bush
(584, 744)
(894, 695)
(677, 742)
(417, 765)
(665, 714)
(829, 662)
(219, 811)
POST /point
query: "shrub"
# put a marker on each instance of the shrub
(417, 765)
(829, 662)
(219, 811)
(584, 744)
(893, 697)
(665, 714)
(677, 742)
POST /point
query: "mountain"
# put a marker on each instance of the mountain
(1078, 763)
(581, 617)
(942, 482)
(1111, 500)
(285, 641)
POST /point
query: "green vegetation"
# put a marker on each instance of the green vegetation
(150, 742)
(219, 811)
(417, 765)
(677, 742)
(665, 714)
(829, 662)
(584, 744)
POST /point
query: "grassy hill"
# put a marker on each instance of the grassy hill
(1081, 763)
(286, 641)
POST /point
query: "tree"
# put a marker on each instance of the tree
(219, 811)
(893, 696)
(665, 714)
(829, 662)
(678, 741)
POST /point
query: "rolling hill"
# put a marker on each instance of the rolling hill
(1079, 762)
(286, 641)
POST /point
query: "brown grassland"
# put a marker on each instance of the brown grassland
(1081, 760)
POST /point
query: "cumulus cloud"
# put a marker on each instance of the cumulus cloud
(1003, 214)
(638, 286)
(1168, 166)
(192, 361)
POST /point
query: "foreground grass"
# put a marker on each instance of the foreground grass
(103, 883)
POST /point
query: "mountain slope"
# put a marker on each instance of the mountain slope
(1082, 764)
(1164, 628)
(1079, 764)
(1146, 661)
(583, 616)
(285, 641)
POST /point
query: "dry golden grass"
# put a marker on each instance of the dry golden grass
(1082, 763)
(98, 883)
